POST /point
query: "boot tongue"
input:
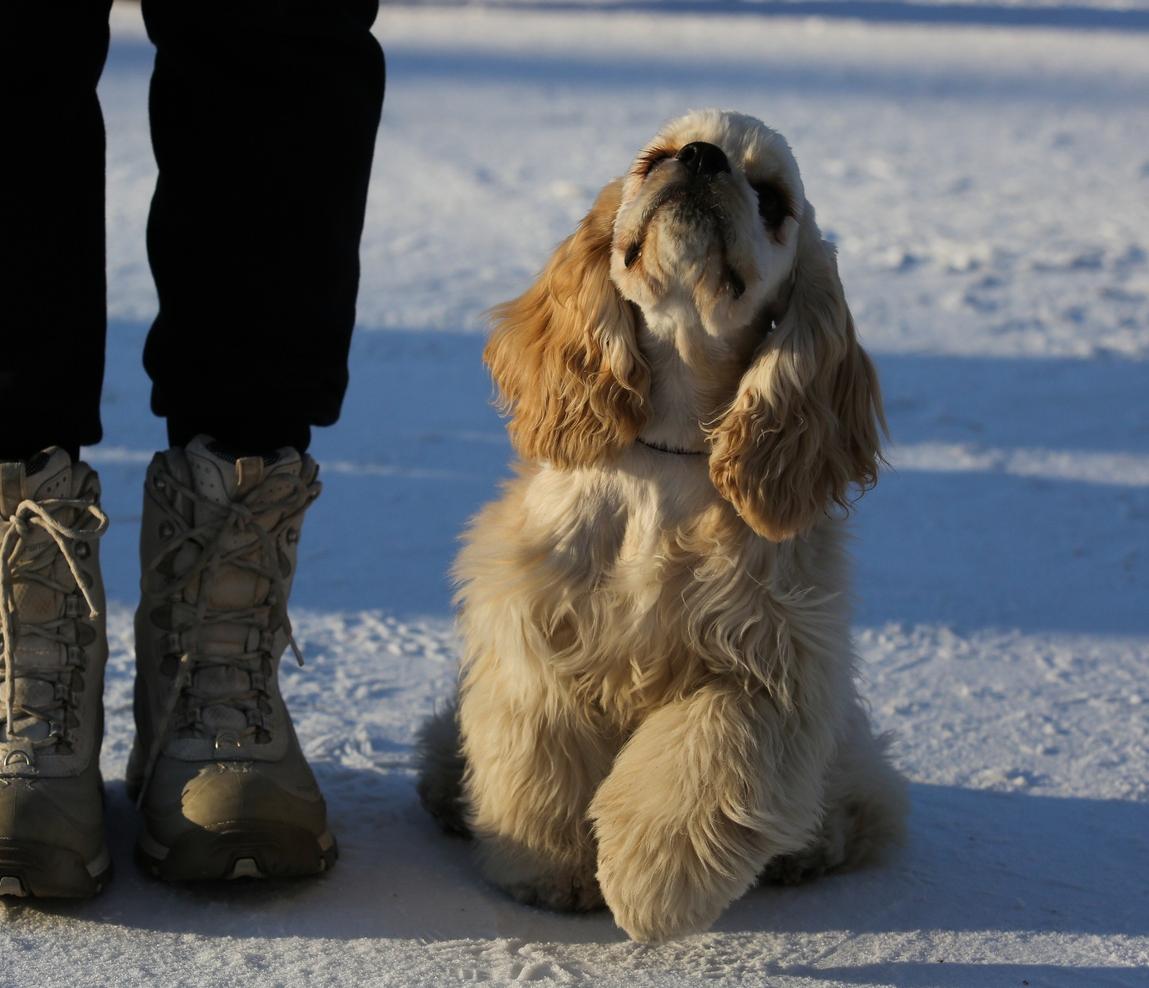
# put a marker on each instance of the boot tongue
(222, 477)
(49, 476)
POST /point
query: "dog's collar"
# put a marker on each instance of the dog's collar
(674, 450)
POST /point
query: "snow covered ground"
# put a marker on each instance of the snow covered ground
(986, 174)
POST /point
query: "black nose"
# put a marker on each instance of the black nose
(701, 158)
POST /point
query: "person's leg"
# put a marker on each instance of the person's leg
(53, 644)
(52, 287)
(263, 121)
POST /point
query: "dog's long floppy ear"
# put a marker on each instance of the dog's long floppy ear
(807, 420)
(564, 354)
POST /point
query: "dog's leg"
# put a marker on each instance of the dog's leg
(866, 808)
(439, 754)
(533, 763)
(706, 791)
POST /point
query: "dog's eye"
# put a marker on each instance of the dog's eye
(648, 159)
(773, 204)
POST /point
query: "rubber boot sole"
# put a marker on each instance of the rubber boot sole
(239, 849)
(44, 871)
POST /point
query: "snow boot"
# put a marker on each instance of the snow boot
(53, 648)
(216, 768)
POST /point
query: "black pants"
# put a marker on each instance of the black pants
(263, 116)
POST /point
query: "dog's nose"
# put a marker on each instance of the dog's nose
(704, 159)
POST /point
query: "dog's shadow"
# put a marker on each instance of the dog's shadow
(979, 860)
(975, 860)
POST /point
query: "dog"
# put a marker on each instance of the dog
(657, 703)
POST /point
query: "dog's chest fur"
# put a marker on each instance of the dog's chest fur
(632, 584)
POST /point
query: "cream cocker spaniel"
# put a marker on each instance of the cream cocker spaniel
(657, 702)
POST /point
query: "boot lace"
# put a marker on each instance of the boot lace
(237, 524)
(27, 560)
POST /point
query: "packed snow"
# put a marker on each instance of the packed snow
(985, 172)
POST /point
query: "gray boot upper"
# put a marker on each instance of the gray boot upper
(52, 636)
(215, 747)
(53, 649)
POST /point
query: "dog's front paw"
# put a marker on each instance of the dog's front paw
(548, 881)
(657, 887)
(794, 869)
(668, 869)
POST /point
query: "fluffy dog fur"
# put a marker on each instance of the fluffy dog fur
(657, 701)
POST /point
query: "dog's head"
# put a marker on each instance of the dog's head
(712, 211)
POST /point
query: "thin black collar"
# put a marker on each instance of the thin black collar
(659, 447)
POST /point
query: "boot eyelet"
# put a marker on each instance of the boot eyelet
(223, 738)
(292, 536)
(83, 550)
(167, 530)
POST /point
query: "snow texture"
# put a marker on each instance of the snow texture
(985, 171)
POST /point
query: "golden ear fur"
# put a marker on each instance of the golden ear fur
(807, 420)
(564, 354)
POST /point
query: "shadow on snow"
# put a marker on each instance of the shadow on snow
(975, 861)
(420, 449)
(1072, 16)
